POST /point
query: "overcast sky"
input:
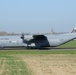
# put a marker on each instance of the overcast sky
(37, 15)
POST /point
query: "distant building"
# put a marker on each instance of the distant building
(3, 33)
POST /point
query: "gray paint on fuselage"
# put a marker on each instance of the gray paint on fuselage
(51, 40)
(10, 41)
(57, 40)
(29, 40)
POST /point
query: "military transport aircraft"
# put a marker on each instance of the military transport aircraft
(39, 41)
(36, 41)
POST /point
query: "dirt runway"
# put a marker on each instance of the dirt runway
(51, 64)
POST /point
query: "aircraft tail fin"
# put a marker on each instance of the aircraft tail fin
(74, 30)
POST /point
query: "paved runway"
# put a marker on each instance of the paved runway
(23, 48)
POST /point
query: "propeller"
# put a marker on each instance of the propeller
(22, 36)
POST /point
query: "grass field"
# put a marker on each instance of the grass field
(71, 44)
(39, 62)
(12, 65)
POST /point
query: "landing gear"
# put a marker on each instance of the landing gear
(29, 47)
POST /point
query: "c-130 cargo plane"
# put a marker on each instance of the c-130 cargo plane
(36, 41)
(39, 41)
